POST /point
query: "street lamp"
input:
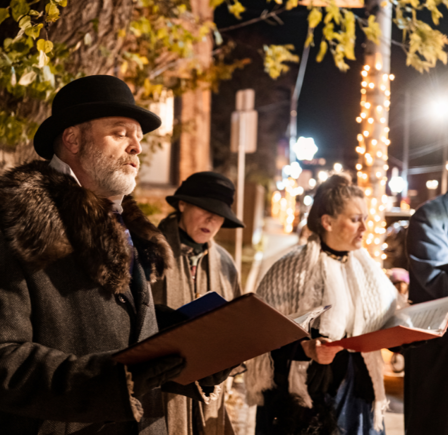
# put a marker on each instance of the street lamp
(305, 148)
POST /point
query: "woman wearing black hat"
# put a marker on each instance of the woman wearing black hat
(202, 206)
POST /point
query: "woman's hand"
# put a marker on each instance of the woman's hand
(317, 351)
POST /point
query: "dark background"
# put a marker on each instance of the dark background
(329, 101)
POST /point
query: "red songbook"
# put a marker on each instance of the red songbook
(418, 322)
(218, 339)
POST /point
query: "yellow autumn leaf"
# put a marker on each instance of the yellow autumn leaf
(291, 4)
(322, 51)
(237, 9)
(314, 17)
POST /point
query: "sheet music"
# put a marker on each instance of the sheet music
(428, 316)
(305, 320)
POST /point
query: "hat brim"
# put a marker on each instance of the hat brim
(53, 126)
(210, 204)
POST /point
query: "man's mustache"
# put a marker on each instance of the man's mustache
(125, 160)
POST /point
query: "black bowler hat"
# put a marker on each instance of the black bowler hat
(212, 192)
(90, 98)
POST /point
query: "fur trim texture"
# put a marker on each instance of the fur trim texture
(46, 215)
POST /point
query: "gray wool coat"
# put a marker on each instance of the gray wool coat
(64, 307)
(216, 272)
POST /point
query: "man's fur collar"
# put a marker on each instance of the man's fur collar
(46, 215)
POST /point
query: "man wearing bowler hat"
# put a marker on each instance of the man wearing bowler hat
(76, 261)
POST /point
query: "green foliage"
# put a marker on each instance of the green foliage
(30, 68)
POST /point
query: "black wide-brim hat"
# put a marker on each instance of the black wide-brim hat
(211, 191)
(86, 99)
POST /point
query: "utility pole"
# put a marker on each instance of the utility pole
(294, 103)
(406, 134)
(373, 140)
(243, 140)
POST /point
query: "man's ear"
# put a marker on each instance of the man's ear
(327, 222)
(181, 205)
(71, 139)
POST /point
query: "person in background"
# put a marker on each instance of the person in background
(425, 381)
(307, 387)
(400, 279)
(202, 204)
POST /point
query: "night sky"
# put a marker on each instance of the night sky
(329, 102)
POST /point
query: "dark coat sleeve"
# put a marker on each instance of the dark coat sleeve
(428, 251)
(44, 383)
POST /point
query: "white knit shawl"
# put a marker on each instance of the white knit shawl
(362, 300)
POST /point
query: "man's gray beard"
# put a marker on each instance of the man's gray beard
(108, 174)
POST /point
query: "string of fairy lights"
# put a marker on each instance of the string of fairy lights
(373, 142)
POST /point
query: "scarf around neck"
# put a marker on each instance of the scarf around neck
(362, 300)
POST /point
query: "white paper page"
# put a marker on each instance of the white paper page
(428, 316)
(305, 320)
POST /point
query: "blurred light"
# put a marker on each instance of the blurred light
(391, 77)
(364, 84)
(396, 183)
(312, 182)
(367, 105)
(383, 120)
(432, 184)
(385, 77)
(359, 137)
(387, 103)
(367, 67)
(276, 197)
(363, 91)
(386, 129)
(371, 85)
(296, 170)
(363, 115)
(378, 66)
(439, 109)
(365, 133)
(374, 142)
(297, 191)
(280, 185)
(305, 148)
(322, 175)
(364, 73)
(370, 120)
(337, 167)
(359, 120)
(379, 108)
(287, 170)
(358, 166)
(308, 200)
(387, 93)
(368, 191)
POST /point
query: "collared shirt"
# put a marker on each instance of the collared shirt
(62, 167)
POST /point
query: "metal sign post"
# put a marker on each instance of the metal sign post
(243, 140)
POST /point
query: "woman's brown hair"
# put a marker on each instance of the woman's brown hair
(330, 199)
